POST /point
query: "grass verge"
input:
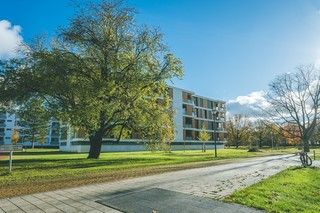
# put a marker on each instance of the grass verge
(317, 152)
(293, 190)
(42, 170)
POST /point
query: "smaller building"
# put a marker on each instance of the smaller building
(10, 123)
(7, 126)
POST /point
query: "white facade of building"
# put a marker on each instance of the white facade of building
(178, 113)
(9, 123)
(7, 126)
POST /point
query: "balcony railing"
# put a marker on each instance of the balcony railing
(189, 101)
(188, 138)
(187, 125)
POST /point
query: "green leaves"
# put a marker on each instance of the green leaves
(204, 136)
(34, 117)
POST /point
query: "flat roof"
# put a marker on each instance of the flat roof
(194, 94)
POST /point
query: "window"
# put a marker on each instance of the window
(201, 113)
(196, 135)
(54, 140)
(210, 104)
(184, 107)
(201, 123)
(210, 125)
(187, 122)
(196, 124)
(9, 120)
(189, 97)
(201, 102)
(196, 102)
(188, 135)
(216, 105)
(186, 97)
(205, 114)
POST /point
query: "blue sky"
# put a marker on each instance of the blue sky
(229, 49)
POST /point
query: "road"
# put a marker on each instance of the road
(210, 182)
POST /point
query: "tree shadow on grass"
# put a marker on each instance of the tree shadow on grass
(32, 153)
(4, 171)
(76, 163)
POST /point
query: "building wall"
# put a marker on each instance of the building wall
(7, 125)
(10, 122)
(178, 113)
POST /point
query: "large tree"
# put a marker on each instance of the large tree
(295, 101)
(102, 73)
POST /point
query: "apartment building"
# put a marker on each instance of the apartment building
(192, 113)
(10, 122)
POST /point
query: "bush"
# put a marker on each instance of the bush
(254, 149)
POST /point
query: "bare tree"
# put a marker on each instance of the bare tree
(294, 100)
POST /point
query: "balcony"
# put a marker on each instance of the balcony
(185, 112)
(187, 125)
(189, 101)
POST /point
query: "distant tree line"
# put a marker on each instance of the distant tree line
(292, 116)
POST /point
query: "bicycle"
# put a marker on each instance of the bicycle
(305, 159)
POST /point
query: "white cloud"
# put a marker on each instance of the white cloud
(249, 105)
(10, 39)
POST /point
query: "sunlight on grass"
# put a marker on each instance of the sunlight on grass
(39, 166)
(317, 153)
(293, 190)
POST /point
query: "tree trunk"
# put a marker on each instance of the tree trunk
(33, 139)
(306, 146)
(260, 142)
(95, 145)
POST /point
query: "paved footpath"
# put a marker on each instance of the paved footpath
(210, 182)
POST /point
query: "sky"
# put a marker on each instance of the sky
(230, 49)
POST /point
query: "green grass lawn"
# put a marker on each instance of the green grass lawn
(41, 170)
(293, 190)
